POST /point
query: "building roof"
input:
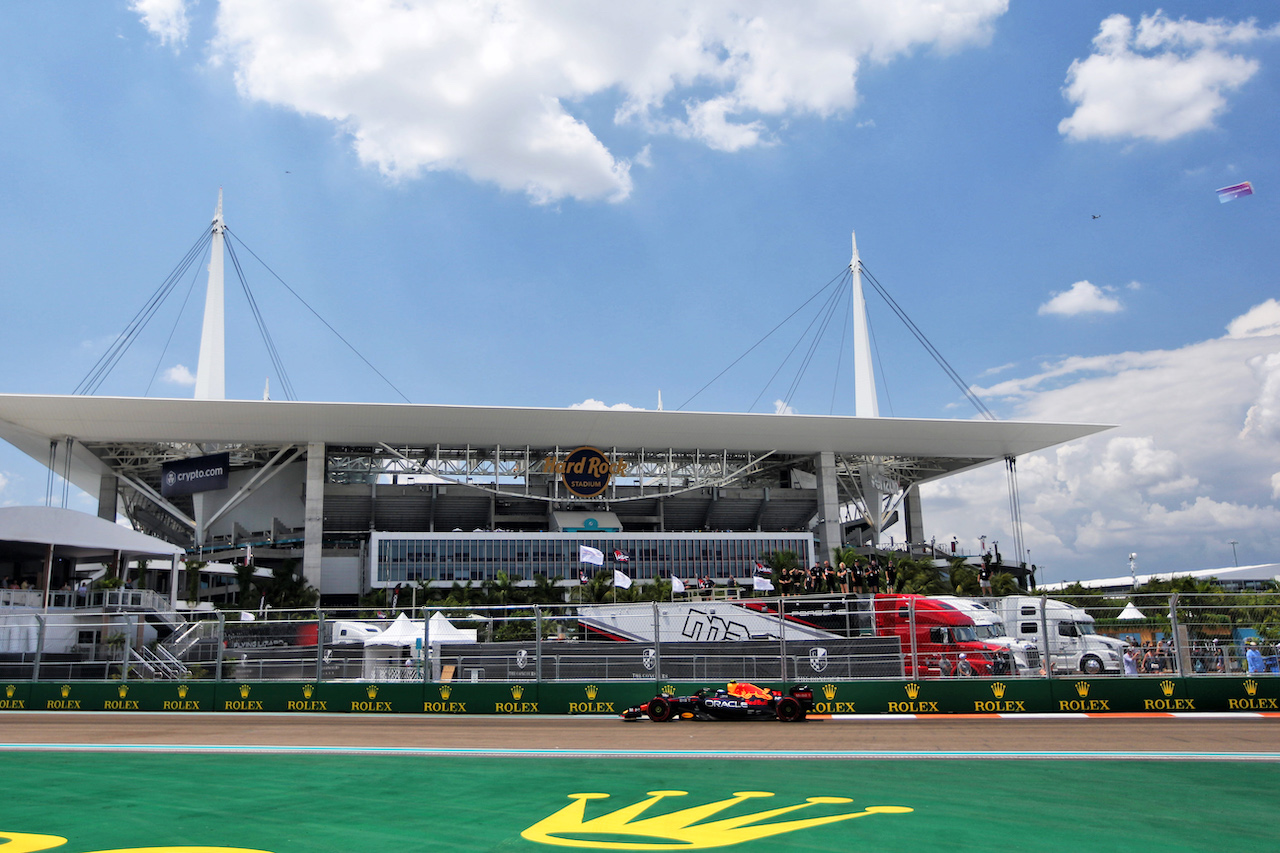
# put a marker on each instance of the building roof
(30, 422)
(1227, 574)
(77, 534)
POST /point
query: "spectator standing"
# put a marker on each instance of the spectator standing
(1131, 660)
(1253, 656)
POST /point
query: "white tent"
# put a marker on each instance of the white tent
(396, 653)
(1131, 612)
(444, 632)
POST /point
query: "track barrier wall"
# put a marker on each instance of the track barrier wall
(1100, 695)
(601, 658)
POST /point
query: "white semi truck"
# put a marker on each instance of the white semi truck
(1063, 633)
(990, 628)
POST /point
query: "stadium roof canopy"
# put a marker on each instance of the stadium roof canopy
(31, 422)
(686, 470)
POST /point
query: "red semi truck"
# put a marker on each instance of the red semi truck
(937, 639)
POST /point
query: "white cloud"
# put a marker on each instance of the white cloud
(179, 375)
(1263, 418)
(1000, 368)
(600, 405)
(1192, 462)
(1082, 298)
(1164, 80)
(166, 19)
(1259, 321)
(492, 88)
(782, 407)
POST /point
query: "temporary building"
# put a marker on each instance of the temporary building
(396, 653)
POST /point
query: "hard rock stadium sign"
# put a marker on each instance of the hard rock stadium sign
(585, 471)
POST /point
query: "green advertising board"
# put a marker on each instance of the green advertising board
(1099, 695)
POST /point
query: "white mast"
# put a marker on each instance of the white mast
(864, 377)
(211, 383)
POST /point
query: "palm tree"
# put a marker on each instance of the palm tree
(546, 591)
(921, 577)
(964, 579)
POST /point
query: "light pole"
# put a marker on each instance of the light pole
(1234, 559)
(1133, 573)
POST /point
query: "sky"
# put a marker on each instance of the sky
(569, 203)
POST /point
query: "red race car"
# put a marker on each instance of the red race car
(740, 700)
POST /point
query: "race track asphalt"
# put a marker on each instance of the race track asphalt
(1164, 734)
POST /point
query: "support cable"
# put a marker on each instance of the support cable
(1015, 508)
(884, 377)
(272, 352)
(195, 273)
(832, 305)
(316, 314)
(100, 370)
(930, 348)
(780, 324)
(844, 333)
(824, 309)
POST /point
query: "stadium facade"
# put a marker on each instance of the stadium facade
(366, 495)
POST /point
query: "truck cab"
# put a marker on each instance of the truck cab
(991, 629)
(934, 636)
(1064, 633)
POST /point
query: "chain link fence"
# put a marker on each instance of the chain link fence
(767, 639)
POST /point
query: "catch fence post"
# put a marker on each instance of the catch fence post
(537, 640)
(782, 639)
(319, 644)
(657, 645)
(1046, 648)
(222, 644)
(40, 620)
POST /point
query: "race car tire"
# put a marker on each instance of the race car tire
(659, 709)
(789, 710)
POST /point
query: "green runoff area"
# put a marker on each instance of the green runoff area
(1100, 695)
(318, 803)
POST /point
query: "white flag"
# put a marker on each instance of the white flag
(587, 554)
(620, 579)
(677, 585)
(762, 584)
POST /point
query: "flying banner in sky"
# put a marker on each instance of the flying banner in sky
(1234, 192)
(587, 554)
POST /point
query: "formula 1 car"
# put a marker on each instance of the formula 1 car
(740, 700)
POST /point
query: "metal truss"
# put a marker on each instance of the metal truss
(872, 487)
(522, 472)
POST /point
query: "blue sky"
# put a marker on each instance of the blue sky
(552, 203)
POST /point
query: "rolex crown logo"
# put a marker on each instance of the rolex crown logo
(445, 691)
(307, 690)
(687, 829)
(517, 691)
(1082, 689)
(1250, 687)
(372, 691)
(1166, 687)
(244, 691)
(66, 690)
(9, 690)
(123, 691)
(913, 690)
(182, 691)
(997, 689)
(668, 690)
(829, 690)
(592, 690)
